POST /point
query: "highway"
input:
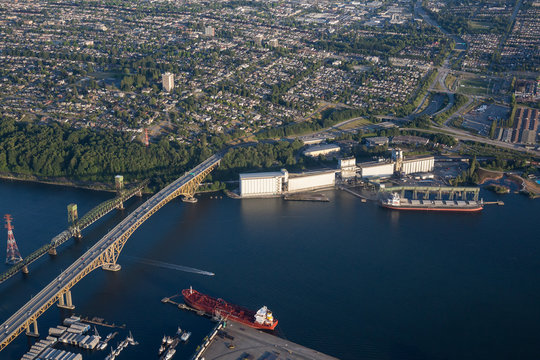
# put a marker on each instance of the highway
(99, 254)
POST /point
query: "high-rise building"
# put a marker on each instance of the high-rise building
(259, 40)
(209, 31)
(168, 81)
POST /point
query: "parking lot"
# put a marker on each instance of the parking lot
(480, 118)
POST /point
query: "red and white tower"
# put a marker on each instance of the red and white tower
(13, 254)
(146, 142)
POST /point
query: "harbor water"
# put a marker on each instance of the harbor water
(346, 278)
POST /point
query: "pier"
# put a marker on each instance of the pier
(233, 341)
(182, 306)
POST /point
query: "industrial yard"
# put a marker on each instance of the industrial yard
(236, 342)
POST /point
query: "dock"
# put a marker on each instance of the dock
(182, 306)
(354, 193)
(306, 197)
(101, 322)
(233, 341)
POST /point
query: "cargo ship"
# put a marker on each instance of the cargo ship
(262, 319)
(396, 203)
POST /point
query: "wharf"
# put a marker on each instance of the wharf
(101, 322)
(169, 300)
(306, 197)
(236, 341)
(354, 193)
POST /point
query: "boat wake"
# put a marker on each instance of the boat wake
(170, 266)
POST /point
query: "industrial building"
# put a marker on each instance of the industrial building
(376, 169)
(311, 181)
(263, 184)
(418, 164)
(277, 183)
(376, 141)
(348, 168)
(322, 149)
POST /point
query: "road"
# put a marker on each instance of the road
(86, 263)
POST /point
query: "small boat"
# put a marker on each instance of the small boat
(164, 340)
(102, 345)
(96, 334)
(161, 350)
(179, 331)
(185, 336)
(111, 356)
(170, 354)
(131, 340)
(109, 336)
(169, 340)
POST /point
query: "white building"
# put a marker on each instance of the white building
(273, 43)
(167, 80)
(348, 167)
(417, 165)
(263, 184)
(258, 40)
(323, 149)
(374, 169)
(311, 181)
(209, 31)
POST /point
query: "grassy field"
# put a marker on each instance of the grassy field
(450, 82)
(354, 124)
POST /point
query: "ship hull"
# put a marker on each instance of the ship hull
(434, 208)
(212, 307)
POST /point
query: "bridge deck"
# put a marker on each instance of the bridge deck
(105, 251)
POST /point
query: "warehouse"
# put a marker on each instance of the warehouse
(376, 169)
(323, 149)
(417, 165)
(263, 184)
(311, 180)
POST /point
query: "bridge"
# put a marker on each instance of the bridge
(103, 254)
(75, 229)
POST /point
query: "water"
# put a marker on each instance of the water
(347, 278)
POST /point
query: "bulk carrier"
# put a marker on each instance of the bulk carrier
(262, 319)
(396, 203)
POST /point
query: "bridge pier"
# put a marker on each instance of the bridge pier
(120, 205)
(25, 270)
(111, 267)
(34, 333)
(52, 251)
(68, 304)
(189, 199)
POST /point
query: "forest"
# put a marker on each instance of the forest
(54, 151)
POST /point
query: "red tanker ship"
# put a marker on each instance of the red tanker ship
(262, 319)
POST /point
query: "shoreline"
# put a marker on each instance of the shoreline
(95, 186)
